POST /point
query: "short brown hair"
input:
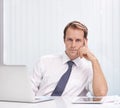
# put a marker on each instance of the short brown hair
(76, 25)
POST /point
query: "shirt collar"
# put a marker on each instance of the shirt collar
(65, 59)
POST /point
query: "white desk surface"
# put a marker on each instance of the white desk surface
(58, 102)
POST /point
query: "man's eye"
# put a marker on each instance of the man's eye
(69, 39)
(78, 40)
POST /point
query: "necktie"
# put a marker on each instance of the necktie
(63, 81)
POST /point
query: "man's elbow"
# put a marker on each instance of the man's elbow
(101, 92)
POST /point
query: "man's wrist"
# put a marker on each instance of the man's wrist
(94, 60)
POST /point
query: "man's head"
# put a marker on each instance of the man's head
(75, 35)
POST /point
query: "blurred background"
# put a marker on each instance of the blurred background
(32, 28)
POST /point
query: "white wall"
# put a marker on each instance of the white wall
(35, 27)
(1, 31)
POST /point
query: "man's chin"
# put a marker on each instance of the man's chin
(73, 56)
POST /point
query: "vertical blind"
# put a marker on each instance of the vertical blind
(33, 28)
(1, 31)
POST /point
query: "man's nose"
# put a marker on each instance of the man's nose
(73, 44)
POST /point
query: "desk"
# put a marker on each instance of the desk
(58, 102)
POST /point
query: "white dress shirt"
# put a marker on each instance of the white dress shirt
(49, 70)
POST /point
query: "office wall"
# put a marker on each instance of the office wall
(33, 28)
(1, 31)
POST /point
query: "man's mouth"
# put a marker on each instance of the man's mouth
(73, 50)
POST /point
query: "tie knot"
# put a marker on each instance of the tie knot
(70, 63)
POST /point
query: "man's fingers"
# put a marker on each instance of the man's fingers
(81, 55)
(82, 52)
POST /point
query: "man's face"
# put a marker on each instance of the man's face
(73, 41)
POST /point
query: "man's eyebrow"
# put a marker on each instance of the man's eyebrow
(78, 39)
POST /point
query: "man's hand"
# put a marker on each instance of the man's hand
(85, 52)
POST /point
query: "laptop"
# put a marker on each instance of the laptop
(15, 85)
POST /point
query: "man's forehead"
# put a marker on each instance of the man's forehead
(75, 33)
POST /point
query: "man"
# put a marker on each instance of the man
(86, 74)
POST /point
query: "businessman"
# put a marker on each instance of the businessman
(75, 72)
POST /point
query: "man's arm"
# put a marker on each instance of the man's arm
(99, 83)
(36, 77)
